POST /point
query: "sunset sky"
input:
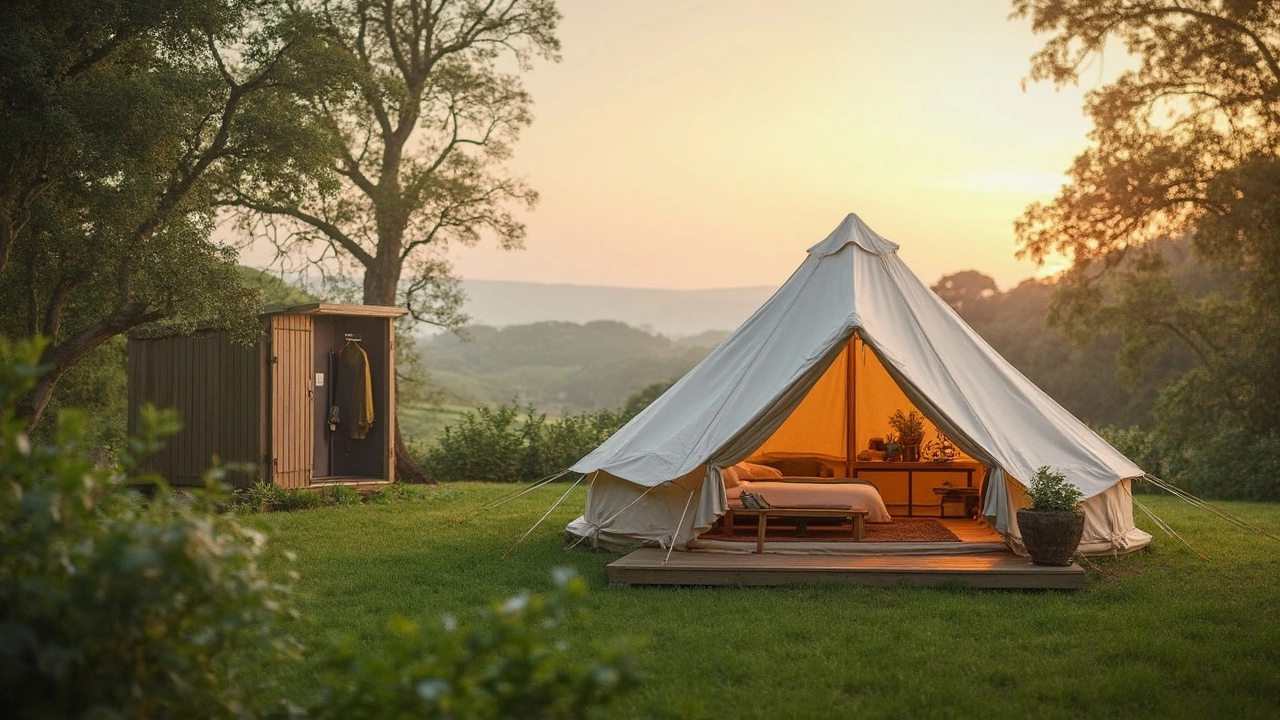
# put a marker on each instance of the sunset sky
(706, 143)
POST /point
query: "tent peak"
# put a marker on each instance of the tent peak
(853, 230)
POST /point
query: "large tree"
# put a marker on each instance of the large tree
(1185, 143)
(418, 145)
(121, 119)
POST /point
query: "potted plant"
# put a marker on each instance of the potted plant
(1052, 526)
(910, 429)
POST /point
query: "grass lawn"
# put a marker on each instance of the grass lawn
(1161, 634)
(422, 424)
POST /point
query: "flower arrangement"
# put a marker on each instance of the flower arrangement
(940, 449)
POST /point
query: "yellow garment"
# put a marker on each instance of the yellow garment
(355, 391)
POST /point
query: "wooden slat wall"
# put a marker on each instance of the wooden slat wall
(213, 385)
(291, 398)
(238, 387)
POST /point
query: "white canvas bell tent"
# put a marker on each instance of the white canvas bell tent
(814, 373)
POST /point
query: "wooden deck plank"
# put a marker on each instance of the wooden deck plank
(986, 570)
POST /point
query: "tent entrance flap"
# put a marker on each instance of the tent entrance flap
(850, 404)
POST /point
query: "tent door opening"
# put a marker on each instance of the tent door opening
(845, 411)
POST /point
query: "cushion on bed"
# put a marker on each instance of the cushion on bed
(730, 476)
(801, 467)
(755, 471)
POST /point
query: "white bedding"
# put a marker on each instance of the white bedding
(857, 495)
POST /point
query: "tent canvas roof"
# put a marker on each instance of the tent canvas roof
(854, 284)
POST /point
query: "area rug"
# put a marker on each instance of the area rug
(910, 530)
(900, 530)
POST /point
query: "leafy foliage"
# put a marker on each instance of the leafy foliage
(499, 444)
(1183, 147)
(122, 122)
(112, 604)
(505, 663)
(416, 143)
(116, 605)
(1050, 492)
(909, 426)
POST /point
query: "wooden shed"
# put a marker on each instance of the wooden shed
(284, 405)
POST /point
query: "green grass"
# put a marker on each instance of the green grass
(1161, 634)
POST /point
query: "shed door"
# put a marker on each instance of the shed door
(292, 391)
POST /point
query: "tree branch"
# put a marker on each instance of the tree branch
(332, 231)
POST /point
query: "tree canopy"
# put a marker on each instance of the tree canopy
(416, 142)
(124, 121)
(1184, 145)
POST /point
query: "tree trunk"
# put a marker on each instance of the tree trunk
(32, 405)
(380, 281)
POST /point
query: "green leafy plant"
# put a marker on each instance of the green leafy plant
(341, 495)
(114, 603)
(909, 426)
(502, 445)
(1050, 492)
(508, 662)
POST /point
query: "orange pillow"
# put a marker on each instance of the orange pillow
(730, 476)
(760, 472)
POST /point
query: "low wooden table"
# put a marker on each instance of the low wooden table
(857, 519)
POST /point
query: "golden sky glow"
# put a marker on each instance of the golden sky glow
(707, 143)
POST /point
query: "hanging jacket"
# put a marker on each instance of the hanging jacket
(355, 391)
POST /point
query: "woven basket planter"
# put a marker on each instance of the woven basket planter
(1051, 537)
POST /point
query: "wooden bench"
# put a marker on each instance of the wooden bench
(856, 518)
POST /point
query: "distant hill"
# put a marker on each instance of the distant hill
(558, 365)
(673, 313)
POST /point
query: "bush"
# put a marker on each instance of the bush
(340, 495)
(1050, 492)
(112, 604)
(1142, 447)
(507, 663)
(498, 444)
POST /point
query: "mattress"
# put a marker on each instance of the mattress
(859, 495)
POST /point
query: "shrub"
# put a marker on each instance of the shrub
(260, 497)
(340, 495)
(499, 444)
(112, 604)
(1141, 446)
(300, 499)
(506, 663)
(1049, 491)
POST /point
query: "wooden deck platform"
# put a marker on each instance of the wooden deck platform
(1000, 569)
